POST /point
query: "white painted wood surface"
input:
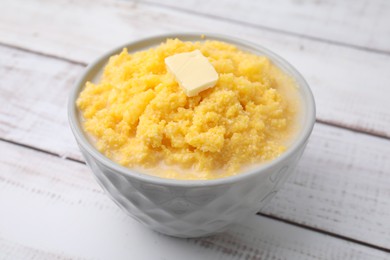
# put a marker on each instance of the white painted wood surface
(337, 203)
(29, 119)
(56, 209)
(358, 23)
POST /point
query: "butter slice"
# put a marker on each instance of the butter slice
(192, 71)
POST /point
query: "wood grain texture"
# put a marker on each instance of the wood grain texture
(52, 208)
(12, 250)
(33, 94)
(363, 24)
(340, 185)
(340, 169)
(350, 86)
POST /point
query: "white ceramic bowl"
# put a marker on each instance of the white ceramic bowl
(191, 208)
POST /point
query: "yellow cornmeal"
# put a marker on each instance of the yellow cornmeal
(141, 118)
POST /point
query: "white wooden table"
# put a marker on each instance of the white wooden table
(335, 206)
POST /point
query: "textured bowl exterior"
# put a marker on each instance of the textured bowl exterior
(191, 211)
(191, 208)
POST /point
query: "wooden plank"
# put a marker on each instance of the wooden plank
(350, 85)
(33, 94)
(362, 24)
(340, 185)
(340, 170)
(47, 202)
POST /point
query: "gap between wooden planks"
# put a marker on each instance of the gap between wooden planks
(340, 185)
(66, 215)
(350, 86)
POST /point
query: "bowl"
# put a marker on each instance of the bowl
(191, 208)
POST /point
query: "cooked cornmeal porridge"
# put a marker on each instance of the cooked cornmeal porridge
(139, 116)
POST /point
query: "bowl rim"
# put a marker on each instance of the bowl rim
(307, 99)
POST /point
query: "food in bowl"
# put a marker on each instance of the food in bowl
(139, 116)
